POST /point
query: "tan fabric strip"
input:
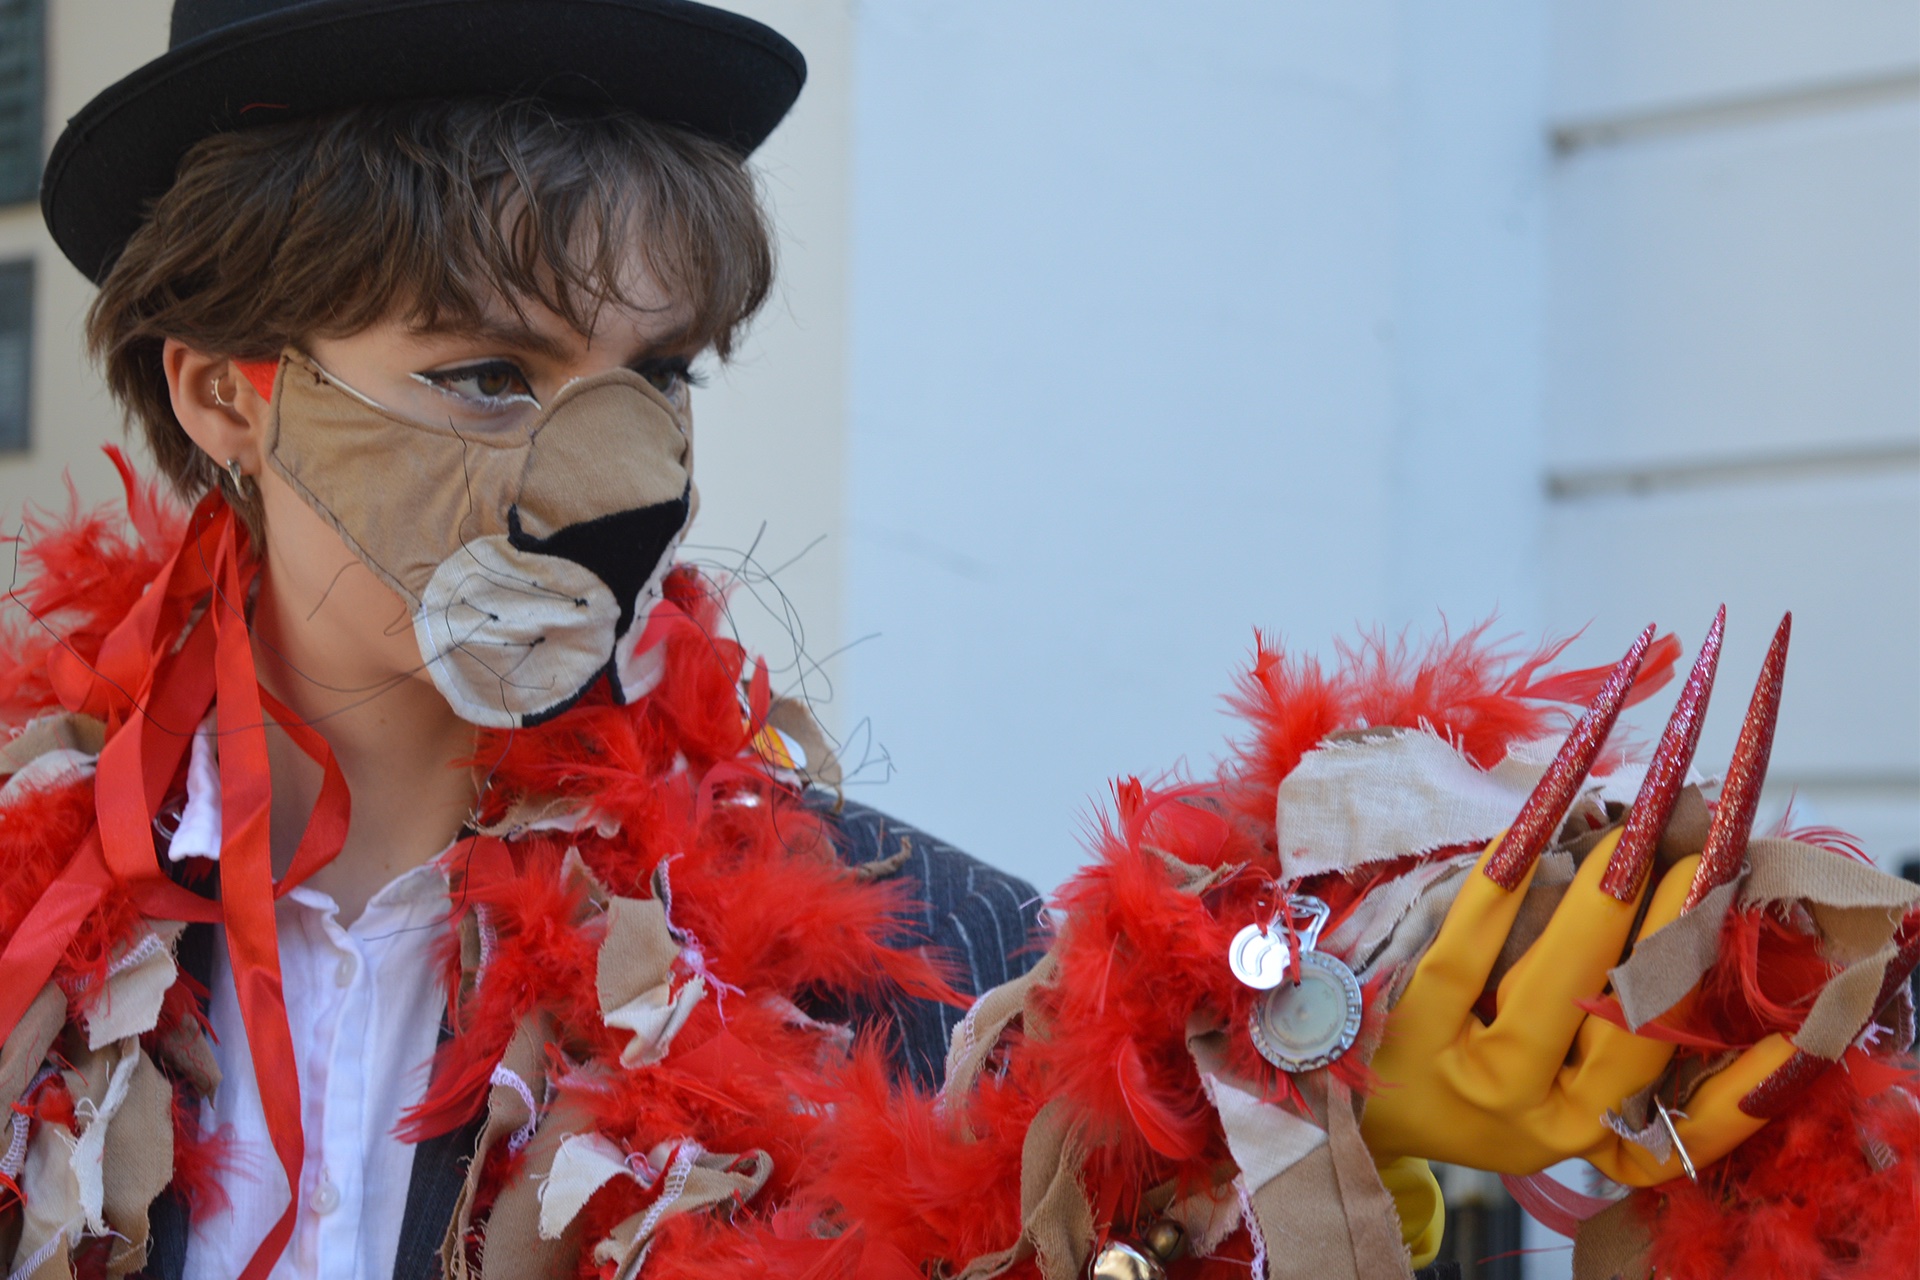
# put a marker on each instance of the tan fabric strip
(138, 1164)
(1373, 1223)
(506, 1112)
(1381, 794)
(1612, 1245)
(1303, 1224)
(1856, 908)
(989, 1265)
(1196, 880)
(511, 1248)
(526, 810)
(1784, 870)
(1057, 1228)
(1851, 934)
(576, 874)
(714, 1180)
(1060, 1221)
(635, 980)
(975, 1036)
(188, 1054)
(1265, 1140)
(58, 732)
(1333, 1198)
(1686, 832)
(58, 1266)
(1375, 934)
(1207, 1217)
(638, 952)
(1416, 930)
(1666, 964)
(51, 1218)
(130, 1003)
(1637, 1122)
(1844, 1007)
(26, 1048)
(1318, 1198)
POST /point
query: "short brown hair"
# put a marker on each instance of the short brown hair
(425, 212)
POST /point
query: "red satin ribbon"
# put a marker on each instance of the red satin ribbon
(184, 648)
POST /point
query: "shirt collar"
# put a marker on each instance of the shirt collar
(199, 831)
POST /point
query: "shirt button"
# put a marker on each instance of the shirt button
(326, 1197)
(343, 975)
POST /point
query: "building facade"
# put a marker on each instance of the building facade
(1111, 329)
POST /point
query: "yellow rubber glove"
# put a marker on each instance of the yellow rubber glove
(1529, 1089)
(1417, 1199)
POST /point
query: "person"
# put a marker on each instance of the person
(405, 875)
(443, 254)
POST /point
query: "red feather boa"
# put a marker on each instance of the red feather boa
(872, 1178)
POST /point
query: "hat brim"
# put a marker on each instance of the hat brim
(715, 73)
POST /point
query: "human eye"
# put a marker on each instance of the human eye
(484, 384)
(671, 376)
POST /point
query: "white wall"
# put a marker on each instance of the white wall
(772, 425)
(1168, 322)
(90, 43)
(1733, 366)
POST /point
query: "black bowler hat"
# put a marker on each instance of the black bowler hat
(235, 63)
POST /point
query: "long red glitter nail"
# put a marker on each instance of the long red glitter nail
(1775, 1096)
(1726, 846)
(1541, 815)
(1666, 775)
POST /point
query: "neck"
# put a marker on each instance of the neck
(396, 741)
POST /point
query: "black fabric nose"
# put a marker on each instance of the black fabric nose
(622, 549)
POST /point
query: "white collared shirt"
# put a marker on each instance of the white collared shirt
(364, 1004)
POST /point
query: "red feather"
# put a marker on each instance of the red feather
(1830, 1191)
(1178, 1132)
(872, 1177)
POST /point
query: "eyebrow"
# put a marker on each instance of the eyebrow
(522, 337)
(518, 336)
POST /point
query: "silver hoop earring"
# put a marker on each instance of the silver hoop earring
(235, 474)
(224, 404)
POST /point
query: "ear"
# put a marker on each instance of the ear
(218, 407)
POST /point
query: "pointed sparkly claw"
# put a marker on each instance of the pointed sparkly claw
(1726, 847)
(1777, 1094)
(1666, 775)
(1544, 810)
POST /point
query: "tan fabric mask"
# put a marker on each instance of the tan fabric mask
(531, 558)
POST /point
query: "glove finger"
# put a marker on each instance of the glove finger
(1538, 1016)
(1450, 977)
(1609, 1062)
(1712, 1126)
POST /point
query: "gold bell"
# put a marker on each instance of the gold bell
(1164, 1238)
(1118, 1262)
